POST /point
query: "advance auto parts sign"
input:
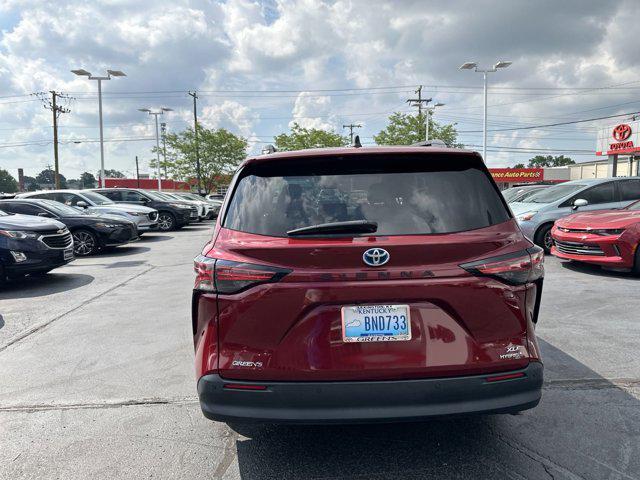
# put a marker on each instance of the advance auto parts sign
(517, 175)
(623, 137)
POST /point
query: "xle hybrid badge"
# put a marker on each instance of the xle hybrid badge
(375, 257)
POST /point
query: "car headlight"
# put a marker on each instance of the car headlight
(107, 225)
(134, 214)
(607, 231)
(18, 234)
(523, 217)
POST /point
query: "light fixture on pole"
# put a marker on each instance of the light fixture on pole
(155, 113)
(430, 111)
(474, 66)
(110, 73)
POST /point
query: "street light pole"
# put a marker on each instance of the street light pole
(430, 111)
(155, 113)
(474, 66)
(110, 73)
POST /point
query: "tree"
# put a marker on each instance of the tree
(48, 177)
(220, 153)
(8, 184)
(87, 180)
(108, 173)
(302, 138)
(405, 129)
(30, 184)
(519, 165)
(540, 161)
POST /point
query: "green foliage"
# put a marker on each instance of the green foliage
(48, 176)
(519, 165)
(301, 138)
(87, 180)
(220, 153)
(30, 184)
(8, 184)
(109, 173)
(540, 161)
(405, 129)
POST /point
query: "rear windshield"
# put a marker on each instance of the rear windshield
(405, 195)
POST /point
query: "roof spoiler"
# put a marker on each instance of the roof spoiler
(430, 143)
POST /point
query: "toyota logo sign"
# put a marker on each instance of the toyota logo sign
(375, 257)
(621, 132)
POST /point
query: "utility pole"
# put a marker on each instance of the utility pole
(137, 172)
(195, 130)
(163, 130)
(56, 110)
(351, 126)
(417, 102)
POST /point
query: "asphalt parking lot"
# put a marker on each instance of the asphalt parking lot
(97, 381)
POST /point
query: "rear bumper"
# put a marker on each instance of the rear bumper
(347, 402)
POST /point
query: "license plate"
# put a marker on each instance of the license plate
(376, 323)
(68, 254)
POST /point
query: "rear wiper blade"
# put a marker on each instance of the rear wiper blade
(352, 226)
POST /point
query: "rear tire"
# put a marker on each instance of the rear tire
(166, 222)
(543, 238)
(85, 243)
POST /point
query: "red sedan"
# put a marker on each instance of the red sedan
(608, 238)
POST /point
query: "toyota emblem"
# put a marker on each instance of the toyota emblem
(375, 257)
(621, 132)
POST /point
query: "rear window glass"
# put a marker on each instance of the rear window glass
(407, 194)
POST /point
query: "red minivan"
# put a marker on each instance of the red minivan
(366, 284)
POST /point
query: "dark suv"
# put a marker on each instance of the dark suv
(32, 245)
(171, 215)
(364, 284)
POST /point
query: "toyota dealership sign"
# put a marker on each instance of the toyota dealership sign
(621, 138)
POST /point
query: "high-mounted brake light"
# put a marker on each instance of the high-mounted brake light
(225, 276)
(514, 268)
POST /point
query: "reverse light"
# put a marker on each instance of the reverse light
(507, 376)
(515, 268)
(242, 386)
(225, 276)
(523, 217)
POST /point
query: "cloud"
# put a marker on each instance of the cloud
(308, 48)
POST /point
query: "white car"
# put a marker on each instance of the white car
(145, 218)
(204, 208)
(212, 206)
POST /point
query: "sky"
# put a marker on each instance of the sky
(259, 66)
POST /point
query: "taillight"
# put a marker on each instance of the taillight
(225, 276)
(514, 268)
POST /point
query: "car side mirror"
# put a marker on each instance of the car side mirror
(579, 202)
(82, 204)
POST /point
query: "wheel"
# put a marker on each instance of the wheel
(84, 243)
(636, 263)
(543, 238)
(166, 222)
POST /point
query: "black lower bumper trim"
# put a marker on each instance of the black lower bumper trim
(369, 401)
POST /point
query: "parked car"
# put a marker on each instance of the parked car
(518, 194)
(172, 215)
(202, 207)
(609, 238)
(32, 245)
(91, 233)
(212, 206)
(538, 212)
(215, 196)
(145, 218)
(419, 302)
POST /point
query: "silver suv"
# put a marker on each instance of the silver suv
(538, 212)
(145, 218)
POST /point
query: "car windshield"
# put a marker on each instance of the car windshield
(3, 214)
(402, 196)
(60, 208)
(553, 194)
(97, 198)
(156, 196)
(527, 194)
(511, 193)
